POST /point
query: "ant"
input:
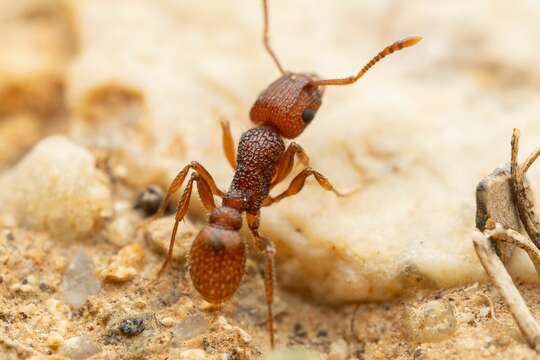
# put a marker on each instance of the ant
(218, 254)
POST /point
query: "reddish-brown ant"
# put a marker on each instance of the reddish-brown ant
(218, 253)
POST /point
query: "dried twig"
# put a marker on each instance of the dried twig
(504, 284)
(492, 310)
(498, 233)
(522, 193)
(503, 210)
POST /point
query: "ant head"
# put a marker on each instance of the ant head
(289, 104)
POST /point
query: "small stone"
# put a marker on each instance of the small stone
(26, 288)
(222, 321)
(132, 326)
(494, 201)
(30, 309)
(139, 303)
(193, 326)
(467, 317)
(46, 288)
(121, 230)
(124, 266)
(195, 343)
(149, 200)
(244, 335)
(80, 280)
(158, 234)
(193, 354)
(57, 315)
(79, 347)
(19, 287)
(338, 350)
(54, 340)
(432, 321)
(168, 322)
(294, 353)
(484, 311)
(56, 187)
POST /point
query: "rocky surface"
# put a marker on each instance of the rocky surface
(411, 134)
(57, 188)
(101, 101)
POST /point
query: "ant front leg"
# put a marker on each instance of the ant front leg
(298, 183)
(286, 162)
(177, 183)
(207, 197)
(228, 143)
(265, 245)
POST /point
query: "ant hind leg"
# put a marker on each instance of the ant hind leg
(206, 195)
(267, 247)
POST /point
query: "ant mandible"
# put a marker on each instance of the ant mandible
(218, 254)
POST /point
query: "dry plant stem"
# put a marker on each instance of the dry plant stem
(521, 192)
(492, 310)
(513, 237)
(504, 284)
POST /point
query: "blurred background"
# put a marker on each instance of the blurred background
(141, 85)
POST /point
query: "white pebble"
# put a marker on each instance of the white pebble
(338, 350)
(57, 187)
(54, 340)
(168, 322)
(484, 311)
(432, 321)
(80, 279)
(79, 347)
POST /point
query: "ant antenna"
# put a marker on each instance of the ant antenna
(266, 38)
(398, 45)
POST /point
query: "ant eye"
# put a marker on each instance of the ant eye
(308, 115)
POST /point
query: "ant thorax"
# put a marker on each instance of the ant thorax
(259, 151)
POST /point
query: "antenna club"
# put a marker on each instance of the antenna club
(408, 41)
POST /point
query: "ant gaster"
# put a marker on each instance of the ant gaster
(218, 254)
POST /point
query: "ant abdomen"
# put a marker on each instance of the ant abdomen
(217, 263)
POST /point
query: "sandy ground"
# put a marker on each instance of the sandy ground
(176, 320)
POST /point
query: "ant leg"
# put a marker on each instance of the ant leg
(265, 245)
(207, 199)
(205, 193)
(286, 162)
(181, 211)
(298, 183)
(201, 170)
(177, 183)
(228, 143)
